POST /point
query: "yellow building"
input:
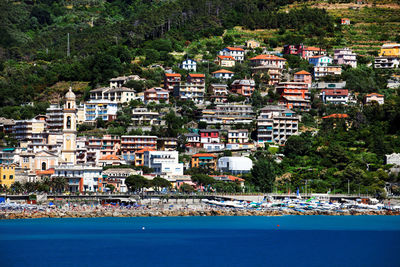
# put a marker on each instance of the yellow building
(391, 49)
(7, 175)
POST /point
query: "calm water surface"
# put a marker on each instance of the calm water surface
(202, 241)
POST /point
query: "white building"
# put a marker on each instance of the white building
(119, 95)
(320, 61)
(80, 178)
(236, 52)
(345, 56)
(189, 64)
(386, 62)
(235, 165)
(335, 96)
(163, 162)
(104, 109)
(276, 124)
(210, 147)
(223, 74)
(238, 136)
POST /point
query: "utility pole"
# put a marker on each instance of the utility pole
(68, 51)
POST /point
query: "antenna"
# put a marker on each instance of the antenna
(68, 51)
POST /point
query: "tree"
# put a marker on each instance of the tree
(111, 187)
(59, 184)
(186, 188)
(202, 179)
(263, 174)
(136, 183)
(157, 183)
(297, 145)
(17, 187)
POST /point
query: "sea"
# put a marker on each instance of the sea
(202, 241)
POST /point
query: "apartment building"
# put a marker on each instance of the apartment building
(167, 143)
(209, 136)
(104, 109)
(120, 81)
(219, 93)
(26, 129)
(320, 61)
(194, 89)
(204, 160)
(386, 62)
(321, 71)
(132, 143)
(390, 49)
(238, 136)
(171, 80)
(345, 56)
(163, 162)
(225, 61)
(228, 114)
(118, 95)
(276, 124)
(303, 77)
(303, 51)
(236, 52)
(157, 95)
(192, 140)
(335, 96)
(294, 95)
(55, 118)
(145, 117)
(271, 64)
(243, 87)
(374, 97)
(80, 178)
(189, 64)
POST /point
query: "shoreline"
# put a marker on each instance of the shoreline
(10, 215)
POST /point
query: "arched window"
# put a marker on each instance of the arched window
(69, 122)
(44, 166)
(69, 105)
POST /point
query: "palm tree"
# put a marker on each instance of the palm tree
(17, 187)
(60, 184)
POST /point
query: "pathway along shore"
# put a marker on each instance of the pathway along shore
(94, 213)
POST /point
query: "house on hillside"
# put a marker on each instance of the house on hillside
(345, 21)
(236, 52)
(223, 74)
(225, 61)
(189, 64)
(369, 98)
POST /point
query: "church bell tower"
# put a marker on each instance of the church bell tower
(68, 153)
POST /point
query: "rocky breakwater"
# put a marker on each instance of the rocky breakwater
(175, 213)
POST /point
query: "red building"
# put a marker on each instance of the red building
(304, 51)
(294, 95)
(209, 136)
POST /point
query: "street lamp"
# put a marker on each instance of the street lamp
(348, 186)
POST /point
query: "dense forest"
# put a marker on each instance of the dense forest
(105, 36)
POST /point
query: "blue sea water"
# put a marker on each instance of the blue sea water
(202, 241)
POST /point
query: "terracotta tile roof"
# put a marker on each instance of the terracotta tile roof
(317, 56)
(223, 71)
(336, 116)
(302, 72)
(226, 57)
(110, 157)
(172, 75)
(375, 94)
(272, 57)
(234, 48)
(203, 155)
(312, 48)
(141, 151)
(230, 177)
(197, 75)
(49, 171)
(336, 92)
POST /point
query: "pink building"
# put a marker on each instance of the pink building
(304, 77)
(156, 94)
(243, 87)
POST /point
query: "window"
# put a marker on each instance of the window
(69, 122)
(69, 105)
(11, 177)
(44, 166)
(4, 177)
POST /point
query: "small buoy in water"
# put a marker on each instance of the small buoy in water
(143, 228)
(278, 225)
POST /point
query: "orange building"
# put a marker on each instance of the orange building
(204, 160)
